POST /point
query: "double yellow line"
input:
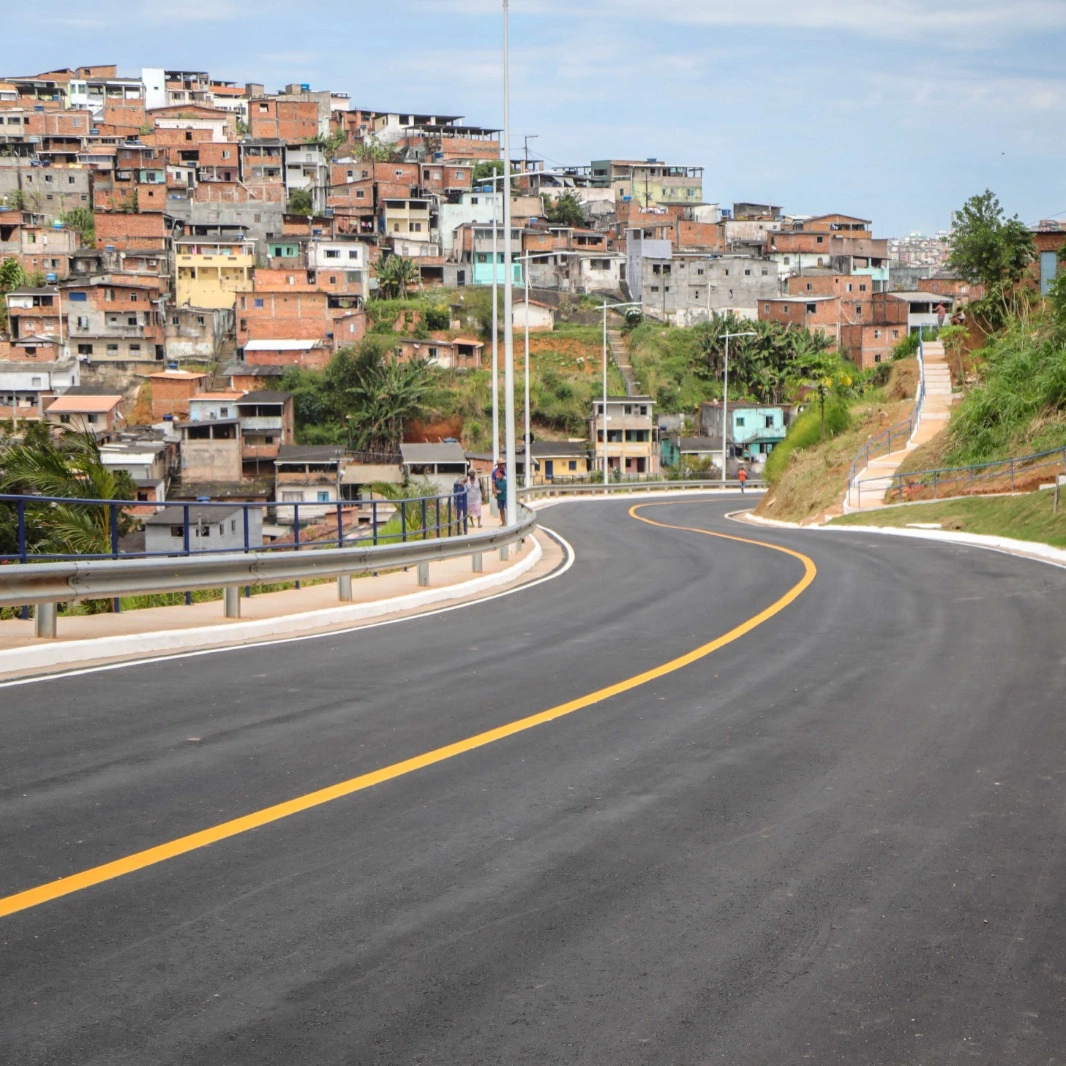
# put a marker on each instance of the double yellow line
(34, 897)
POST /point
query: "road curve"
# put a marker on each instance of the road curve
(838, 837)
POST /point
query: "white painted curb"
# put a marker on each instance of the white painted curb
(1044, 553)
(78, 652)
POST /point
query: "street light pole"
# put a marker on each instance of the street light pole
(495, 342)
(508, 296)
(604, 412)
(725, 394)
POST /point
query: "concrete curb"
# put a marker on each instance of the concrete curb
(1027, 549)
(79, 652)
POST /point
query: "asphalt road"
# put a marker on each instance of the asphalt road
(840, 838)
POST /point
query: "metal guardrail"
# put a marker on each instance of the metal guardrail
(313, 524)
(597, 488)
(890, 439)
(45, 584)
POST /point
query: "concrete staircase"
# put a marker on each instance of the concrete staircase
(619, 347)
(867, 491)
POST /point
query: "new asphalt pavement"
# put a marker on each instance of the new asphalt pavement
(536, 829)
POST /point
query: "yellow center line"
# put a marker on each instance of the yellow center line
(64, 886)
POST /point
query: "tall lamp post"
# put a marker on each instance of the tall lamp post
(605, 308)
(725, 393)
(508, 296)
(526, 260)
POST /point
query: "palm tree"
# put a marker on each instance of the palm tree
(395, 275)
(70, 469)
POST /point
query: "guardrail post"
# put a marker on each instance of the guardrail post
(344, 588)
(340, 526)
(423, 575)
(231, 599)
(477, 564)
(44, 621)
(185, 544)
(116, 603)
(296, 533)
(21, 508)
(1012, 475)
(504, 553)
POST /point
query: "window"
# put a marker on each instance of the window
(112, 349)
(133, 297)
(849, 286)
(809, 286)
(862, 288)
(35, 382)
(332, 253)
(769, 421)
(747, 272)
(83, 322)
(699, 270)
(877, 357)
(740, 420)
(811, 308)
(323, 497)
(726, 272)
(177, 531)
(877, 334)
(766, 308)
(655, 288)
(353, 254)
(85, 349)
(223, 412)
(257, 302)
(819, 240)
(895, 334)
(131, 320)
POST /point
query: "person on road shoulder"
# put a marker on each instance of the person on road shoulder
(742, 477)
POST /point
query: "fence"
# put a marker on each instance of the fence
(895, 437)
(1005, 475)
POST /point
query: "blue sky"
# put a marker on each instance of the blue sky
(895, 110)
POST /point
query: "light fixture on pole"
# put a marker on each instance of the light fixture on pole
(603, 413)
(725, 393)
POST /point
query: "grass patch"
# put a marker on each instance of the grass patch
(815, 478)
(1025, 517)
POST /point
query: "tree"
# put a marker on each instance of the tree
(566, 210)
(12, 276)
(330, 144)
(301, 202)
(373, 151)
(70, 468)
(395, 275)
(376, 394)
(990, 249)
(84, 221)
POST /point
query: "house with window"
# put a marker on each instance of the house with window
(558, 460)
(147, 461)
(27, 387)
(211, 450)
(458, 353)
(267, 424)
(691, 454)
(625, 431)
(115, 318)
(309, 476)
(210, 273)
(754, 429)
(195, 527)
(99, 414)
(441, 464)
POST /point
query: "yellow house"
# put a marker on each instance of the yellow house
(210, 272)
(558, 460)
(632, 447)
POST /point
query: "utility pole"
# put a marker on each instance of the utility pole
(525, 142)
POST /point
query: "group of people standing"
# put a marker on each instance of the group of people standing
(469, 498)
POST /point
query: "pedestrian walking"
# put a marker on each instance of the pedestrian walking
(941, 313)
(742, 477)
(499, 488)
(460, 502)
(473, 498)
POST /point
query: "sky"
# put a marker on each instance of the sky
(894, 110)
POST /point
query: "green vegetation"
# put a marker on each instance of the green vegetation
(564, 210)
(682, 368)
(67, 467)
(991, 250)
(1019, 406)
(330, 144)
(300, 203)
(362, 399)
(1025, 517)
(395, 276)
(84, 221)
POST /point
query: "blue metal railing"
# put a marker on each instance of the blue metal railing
(319, 524)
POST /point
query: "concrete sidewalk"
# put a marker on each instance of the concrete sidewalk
(869, 488)
(92, 639)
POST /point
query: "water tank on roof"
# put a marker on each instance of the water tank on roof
(305, 87)
(56, 224)
(51, 279)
